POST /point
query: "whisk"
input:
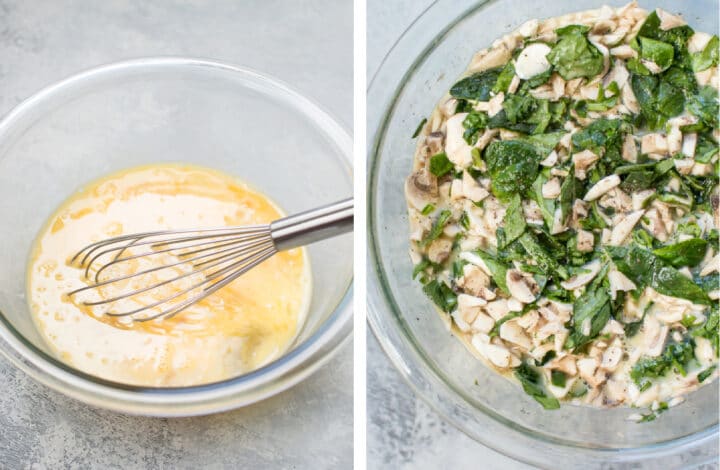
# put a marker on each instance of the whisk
(183, 267)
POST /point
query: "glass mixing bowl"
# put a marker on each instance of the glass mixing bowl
(172, 110)
(417, 72)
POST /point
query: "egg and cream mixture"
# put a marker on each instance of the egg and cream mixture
(564, 208)
(243, 326)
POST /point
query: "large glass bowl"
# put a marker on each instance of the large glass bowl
(420, 68)
(172, 110)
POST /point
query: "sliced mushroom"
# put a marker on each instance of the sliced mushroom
(439, 250)
(619, 282)
(655, 335)
(669, 21)
(434, 142)
(521, 287)
(529, 320)
(585, 241)
(495, 104)
(674, 140)
(629, 149)
(583, 161)
(421, 189)
(473, 281)
(471, 189)
(529, 28)
(704, 350)
(698, 41)
(551, 188)
(483, 323)
(589, 271)
(458, 151)
(689, 141)
(496, 354)
(565, 364)
(623, 52)
(713, 265)
(497, 308)
(624, 226)
(654, 143)
(532, 61)
(512, 332)
(612, 356)
(550, 160)
(601, 187)
(629, 100)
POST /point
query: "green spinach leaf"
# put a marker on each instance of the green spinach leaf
(441, 294)
(708, 57)
(685, 253)
(514, 219)
(574, 56)
(645, 269)
(513, 166)
(531, 382)
(440, 164)
(477, 86)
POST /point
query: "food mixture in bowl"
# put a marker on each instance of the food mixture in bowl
(563, 208)
(245, 325)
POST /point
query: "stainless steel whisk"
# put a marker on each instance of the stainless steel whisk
(208, 258)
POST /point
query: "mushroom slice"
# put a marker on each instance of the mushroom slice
(551, 188)
(583, 161)
(689, 141)
(611, 356)
(421, 189)
(669, 21)
(512, 332)
(590, 270)
(622, 229)
(532, 61)
(471, 189)
(629, 149)
(434, 142)
(458, 151)
(655, 335)
(654, 143)
(623, 51)
(439, 250)
(698, 41)
(474, 280)
(497, 308)
(619, 282)
(601, 187)
(585, 241)
(483, 323)
(520, 286)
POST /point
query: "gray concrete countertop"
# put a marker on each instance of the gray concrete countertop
(308, 45)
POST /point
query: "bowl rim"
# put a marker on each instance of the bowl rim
(384, 89)
(246, 389)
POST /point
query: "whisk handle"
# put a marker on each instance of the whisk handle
(314, 225)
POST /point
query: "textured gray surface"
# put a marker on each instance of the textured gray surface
(308, 45)
(404, 432)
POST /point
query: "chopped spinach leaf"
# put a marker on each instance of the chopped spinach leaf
(419, 128)
(442, 295)
(574, 56)
(646, 269)
(477, 86)
(513, 166)
(532, 384)
(437, 227)
(686, 253)
(708, 57)
(440, 164)
(514, 219)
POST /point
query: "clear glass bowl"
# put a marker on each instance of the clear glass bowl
(172, 110)
(420, 68)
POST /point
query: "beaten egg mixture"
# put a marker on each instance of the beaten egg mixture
(238, 329)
